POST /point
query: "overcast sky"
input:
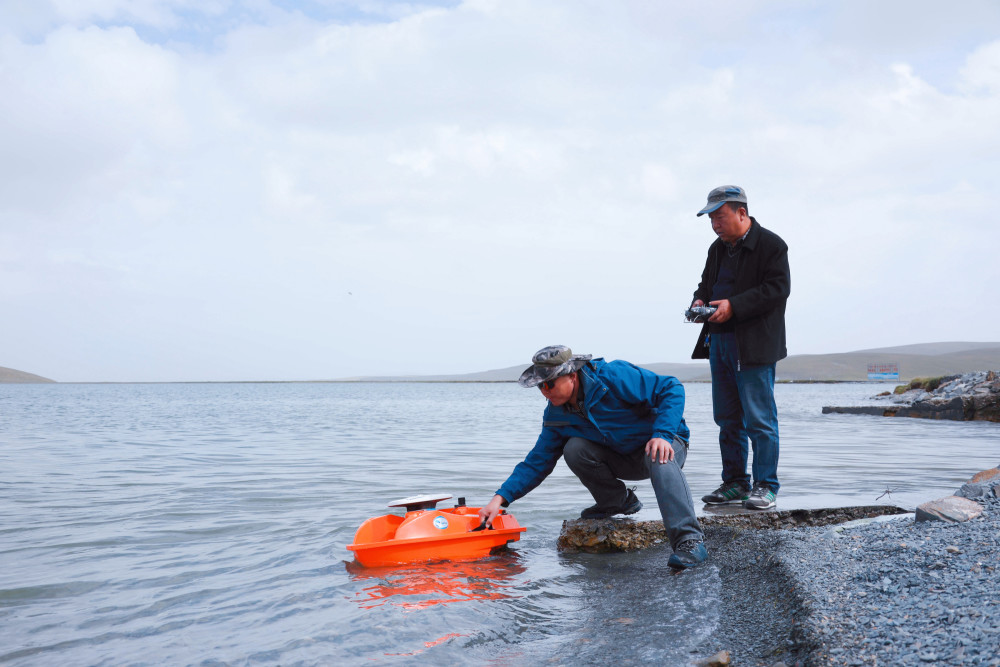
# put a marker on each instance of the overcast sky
(282, 190)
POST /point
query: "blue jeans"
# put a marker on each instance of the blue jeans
(743, 406)
(601, 471)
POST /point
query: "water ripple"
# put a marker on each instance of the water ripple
(206, 524)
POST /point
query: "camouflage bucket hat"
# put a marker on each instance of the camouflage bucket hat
(552, 362)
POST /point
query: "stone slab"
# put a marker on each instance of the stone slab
(607, 535)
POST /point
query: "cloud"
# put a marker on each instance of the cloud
(981, 72)
(497, 174)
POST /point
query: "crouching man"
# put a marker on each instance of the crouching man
(612, 421)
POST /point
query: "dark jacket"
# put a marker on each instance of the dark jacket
(624, 407)
(762, 286)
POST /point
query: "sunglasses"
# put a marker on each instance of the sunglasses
(549, 384)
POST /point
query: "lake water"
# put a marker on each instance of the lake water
(206, 523)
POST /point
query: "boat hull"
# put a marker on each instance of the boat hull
(431, 535)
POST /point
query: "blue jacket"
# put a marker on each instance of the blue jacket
(624, 405)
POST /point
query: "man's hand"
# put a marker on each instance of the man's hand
(487, 514)
(659, 451)
(724, 312)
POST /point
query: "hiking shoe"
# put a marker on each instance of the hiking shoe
(688, 554)
(761, 498)
(729, 492)
(630, 506)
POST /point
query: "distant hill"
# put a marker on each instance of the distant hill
(921, 360)
(11, 375)
(913, 361)
(933, 349)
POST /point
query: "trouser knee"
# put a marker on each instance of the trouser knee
(578, 454)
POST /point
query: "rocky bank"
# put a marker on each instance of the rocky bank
(845, 586)
(968, 397)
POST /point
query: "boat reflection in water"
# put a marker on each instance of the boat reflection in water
(424, 585)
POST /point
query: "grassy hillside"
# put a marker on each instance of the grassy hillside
(11, 375)
(854, 365)
(928, 359)
(923, 360)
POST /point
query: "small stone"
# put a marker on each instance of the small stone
(720, 659)
(953, 550)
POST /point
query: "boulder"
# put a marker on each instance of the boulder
(982, 486)
(985, 476)
(976, 491)
(951, 509)
(986, 407)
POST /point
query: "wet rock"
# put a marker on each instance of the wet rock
(983, 485)
(876, 410)
(951, 509)
(608, 535)
(976, 491)
(986, 476)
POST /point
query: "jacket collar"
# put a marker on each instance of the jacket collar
(750, 242)
(593, 388)
(752, 236)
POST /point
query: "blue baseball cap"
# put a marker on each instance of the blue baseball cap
(721, 195)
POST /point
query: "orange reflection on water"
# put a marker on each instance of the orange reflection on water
(413, 587)
(430, 644)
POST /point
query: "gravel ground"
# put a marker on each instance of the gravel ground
(899, 592)
(894, 592)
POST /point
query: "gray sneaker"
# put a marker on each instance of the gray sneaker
(688, 554)
(729, 492)
(761, 498)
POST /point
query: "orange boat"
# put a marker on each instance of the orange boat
(429, 534)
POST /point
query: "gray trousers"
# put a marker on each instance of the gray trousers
(601, 471)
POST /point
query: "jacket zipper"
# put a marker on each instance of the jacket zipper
(739, 258)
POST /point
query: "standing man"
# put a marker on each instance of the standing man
(612, 421)
(746, 277)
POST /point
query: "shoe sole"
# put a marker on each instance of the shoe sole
(626, 512)
(683, 566)
(723, 502)
(756, 507)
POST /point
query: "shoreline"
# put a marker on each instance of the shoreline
(878, 593)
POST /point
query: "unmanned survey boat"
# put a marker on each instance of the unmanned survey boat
(429, 534)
